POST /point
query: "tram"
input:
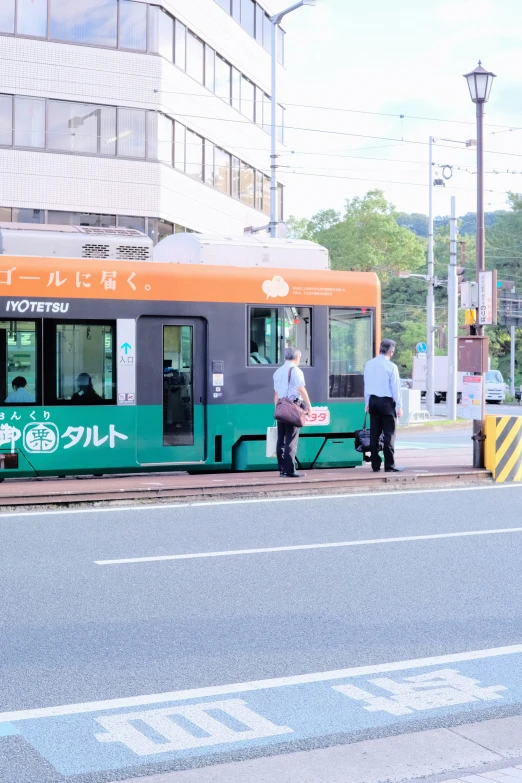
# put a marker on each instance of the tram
(112, 366)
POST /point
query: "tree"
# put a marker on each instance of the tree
(416, 222)
(367, 238)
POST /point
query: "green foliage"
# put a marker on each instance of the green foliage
(367, 238)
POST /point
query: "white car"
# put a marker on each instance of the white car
(495, 387)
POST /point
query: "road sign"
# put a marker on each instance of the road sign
(468, 295)
(422, 347)
(487, 304)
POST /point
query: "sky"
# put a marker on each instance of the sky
(401, 58)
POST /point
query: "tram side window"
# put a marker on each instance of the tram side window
(298, 331)
(272, 329)
(351, 346)
(85, 363)
(18, 363)
(265, 332)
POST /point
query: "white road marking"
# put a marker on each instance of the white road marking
(255, 685)
(300, 498)
(299, 547)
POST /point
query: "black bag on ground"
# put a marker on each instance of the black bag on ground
(362, 439)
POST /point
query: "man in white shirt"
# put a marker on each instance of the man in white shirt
(289, 382)
(20, 394)
(383, 398)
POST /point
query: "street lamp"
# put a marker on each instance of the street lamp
(480, 82)
(276, 20)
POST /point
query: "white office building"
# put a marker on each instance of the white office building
(150, 115)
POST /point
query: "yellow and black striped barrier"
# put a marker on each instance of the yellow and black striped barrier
(504, 447)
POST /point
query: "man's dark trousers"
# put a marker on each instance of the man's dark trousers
(383, 419)
(287, 437)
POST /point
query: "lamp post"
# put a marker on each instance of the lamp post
(276, 20)
(480, 82)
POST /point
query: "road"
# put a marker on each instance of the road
(128, 634)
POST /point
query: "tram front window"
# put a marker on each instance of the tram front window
(178, 379)
(18, 363)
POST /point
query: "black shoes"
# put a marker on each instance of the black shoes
(292, 475)
(394, 469)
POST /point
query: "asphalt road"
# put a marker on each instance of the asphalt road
(76, 629)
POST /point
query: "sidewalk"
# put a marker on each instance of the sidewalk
(422, 468)
(470, 753)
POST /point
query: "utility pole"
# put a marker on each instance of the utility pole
(453, 304)
(275, 21)
(430, 302)
(512, 385)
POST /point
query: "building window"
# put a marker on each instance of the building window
(166, 35)
(259, 190)
(165, 139)
(209, 164)
(248, 99)
(247, 184)
(235, 178)
(29, 114)
(225, 5)
(28, 215)
(194, 166)
(236, 10)
(236, 89)
(210, 68)
(19, 363)
(6, 120)
(131, 133)
(267, 35)
(195, 58)
(159, 229)
(266, 195)
(260, 23)
(181, 46)
(127, 221)
(92, 22)
(133, 25)
(222, 170)
(351, 346)
(81, 127)
(85, 364)
(179, 146)
(248, 11)
(31, 18)
(223, 78)
(7, 16)
(80, 219)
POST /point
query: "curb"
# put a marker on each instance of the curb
(455, 755)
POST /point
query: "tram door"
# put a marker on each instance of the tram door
(171, 390)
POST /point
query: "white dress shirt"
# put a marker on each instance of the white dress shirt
(381, 378)
(281, 385)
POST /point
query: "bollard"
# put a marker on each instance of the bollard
(503, 452)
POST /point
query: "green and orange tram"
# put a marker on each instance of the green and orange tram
(112, 366)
